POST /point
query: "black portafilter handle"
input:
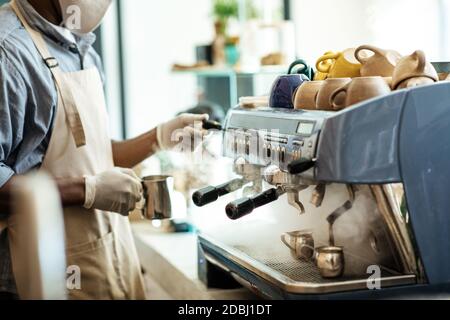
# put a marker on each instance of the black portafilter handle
(300, 166)
(242, 207)
(212, 125)
(210, 194)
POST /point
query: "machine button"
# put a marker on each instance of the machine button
(269, 151)
(310, 144)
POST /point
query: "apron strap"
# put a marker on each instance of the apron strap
(67, 98)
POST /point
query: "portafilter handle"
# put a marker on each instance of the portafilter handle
(212, 125)
(210, 194)
(301, 165)
(242, 207)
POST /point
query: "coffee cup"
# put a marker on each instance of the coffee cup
(330, 261)
(381, 63)
(343, 64)
(301, 67)
(326, 90)
(301, 243)
(358, 90)
(413, 66)
(283, 90)
(306, 95)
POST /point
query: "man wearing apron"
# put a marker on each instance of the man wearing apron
(53, 117)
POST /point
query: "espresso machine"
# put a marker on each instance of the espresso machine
(372, 177)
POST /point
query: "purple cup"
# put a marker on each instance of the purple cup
(283, 90)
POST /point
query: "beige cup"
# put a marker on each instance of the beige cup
(413, 66)
(328, 87)
(358, 90)
(306, 95)
(381, 63)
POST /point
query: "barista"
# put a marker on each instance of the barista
(53, 118)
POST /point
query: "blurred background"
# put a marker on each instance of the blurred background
(140, 42)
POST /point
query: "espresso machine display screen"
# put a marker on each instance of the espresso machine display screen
(305, 128)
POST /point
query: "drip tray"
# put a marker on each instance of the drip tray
(295, 276)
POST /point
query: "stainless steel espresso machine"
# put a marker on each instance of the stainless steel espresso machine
(371, 179)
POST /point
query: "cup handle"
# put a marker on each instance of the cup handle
(308, 247)
(283, 239)
(363, 60)
(334, 96)
(321, 67)
(305, 69)
(421, 60)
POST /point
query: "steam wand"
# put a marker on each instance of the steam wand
(336, 214)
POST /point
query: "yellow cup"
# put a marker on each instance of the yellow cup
(339, 65)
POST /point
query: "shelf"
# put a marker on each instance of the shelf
(228, 72)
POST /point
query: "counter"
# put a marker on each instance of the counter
(169, 261)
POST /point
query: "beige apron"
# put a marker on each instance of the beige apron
(99, 243)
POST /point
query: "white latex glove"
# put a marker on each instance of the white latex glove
(117, 190)
(186, 129)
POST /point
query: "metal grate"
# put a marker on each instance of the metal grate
(297, 270)
(272, 262)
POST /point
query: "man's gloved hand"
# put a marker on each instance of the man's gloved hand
(117, 190)
(181, 130)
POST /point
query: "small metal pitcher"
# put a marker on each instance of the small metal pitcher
(157, 197)
(301, 243)
(330, 261)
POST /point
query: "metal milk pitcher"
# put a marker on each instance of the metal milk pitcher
(157, 197)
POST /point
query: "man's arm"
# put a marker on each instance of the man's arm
(130, 153)
(72, 192)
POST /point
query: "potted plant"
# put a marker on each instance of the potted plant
(223, 11)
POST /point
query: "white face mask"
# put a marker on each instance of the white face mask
(83, 16)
